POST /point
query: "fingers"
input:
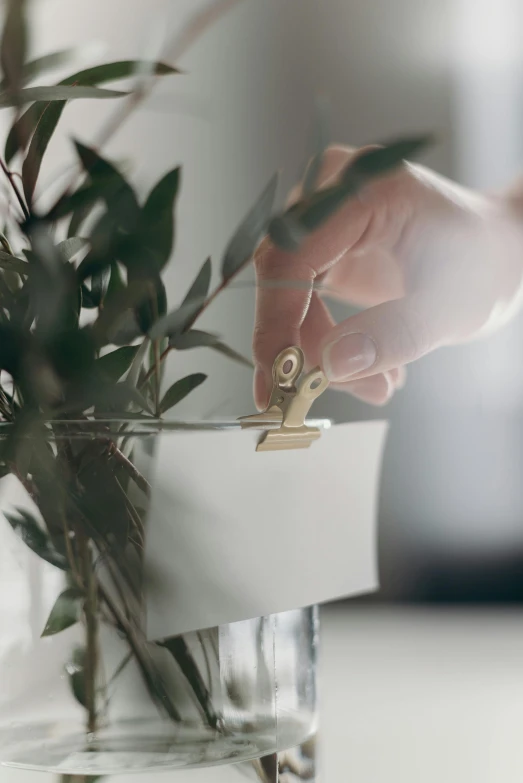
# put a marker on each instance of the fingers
(317, 326)
(366, 278)
(383, 338)
(285, 280)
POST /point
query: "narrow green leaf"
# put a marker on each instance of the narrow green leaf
(71, 246)
(75, 668)
(78, 217)
(116, 283)
(13, 45)
(176, 321)
(124, 330)
(286, 232)
(28, 529)
(46, 62)
(82, 199)
(99, 285)
(322, 205)
(134, 372)
(65, 93)
(118, 195)
(66, 611)
(115, 364)
(113, 312)
(38, 146)
(180, 319)
(13, 264)
(178, 648)
(120, 397)
(181, 389)
(200, 288)
(158, 218)
(312, 212)
(194, 339)
(198, 339)
(122, 69)
(154, 304)
(105, 396)
(377, 162)
(244, 242)
(21, 132)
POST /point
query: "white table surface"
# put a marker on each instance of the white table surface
(411, 695)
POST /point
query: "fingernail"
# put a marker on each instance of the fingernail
(349, 355)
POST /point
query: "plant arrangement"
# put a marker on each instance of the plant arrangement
(85, 331)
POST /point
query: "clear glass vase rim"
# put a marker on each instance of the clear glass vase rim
(138, 426)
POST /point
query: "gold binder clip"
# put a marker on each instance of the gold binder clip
(289, 404)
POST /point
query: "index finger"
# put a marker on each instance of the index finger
(285, 279)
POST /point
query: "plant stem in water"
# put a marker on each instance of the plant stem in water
(91, 632)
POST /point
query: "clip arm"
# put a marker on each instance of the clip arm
(288, 404)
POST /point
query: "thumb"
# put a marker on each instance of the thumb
(383, 338)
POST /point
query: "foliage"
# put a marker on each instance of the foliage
(85, 330)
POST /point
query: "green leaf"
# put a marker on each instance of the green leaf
(136, 366)
(121, 69)
(70, 247)
(200, 288)
(181, 389)
(115, 364)
(38, 146)
(116, 283)
(13, 264)
(321, 206)
(78, 217)
(99, 285)
(23, 128)
(158, 218)
(75, 668)
(180, 319)
(176, 321)
(154, 304)
(28, 529)
(82, 199)
(65, 93)
(118, 195)
(46, 62)
(181, 653)
(106, 397)
(286, 232)
(289, 229)
(65, 613)
(244, 242)
(377, 162)
(13, 45)
(113, 312)
(198, 339)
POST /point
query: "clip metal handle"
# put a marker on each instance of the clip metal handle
(290, 402)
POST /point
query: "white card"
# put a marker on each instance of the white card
(235, 534)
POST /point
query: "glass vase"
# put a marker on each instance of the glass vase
(84, 692)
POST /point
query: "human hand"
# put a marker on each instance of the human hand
(434, 264)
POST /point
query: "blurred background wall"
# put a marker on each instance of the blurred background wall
(452, 498)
